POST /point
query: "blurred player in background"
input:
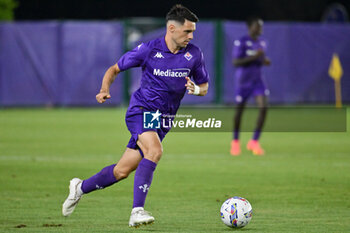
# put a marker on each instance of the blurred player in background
(167, 63)
(248, 58)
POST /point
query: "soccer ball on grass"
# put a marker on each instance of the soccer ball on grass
(236, 212)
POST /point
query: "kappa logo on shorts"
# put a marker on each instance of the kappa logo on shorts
(151, 120)
(188, 56)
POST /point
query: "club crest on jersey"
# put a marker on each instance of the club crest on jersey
(188, 56)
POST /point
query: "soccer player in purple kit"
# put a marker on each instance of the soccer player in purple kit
(167, 63)
(249, 57)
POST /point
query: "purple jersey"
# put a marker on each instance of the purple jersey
(163, 75)
(251, 73)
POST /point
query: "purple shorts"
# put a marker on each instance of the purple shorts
(244, 92)
(134, 122)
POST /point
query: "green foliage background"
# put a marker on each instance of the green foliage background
(6, 9)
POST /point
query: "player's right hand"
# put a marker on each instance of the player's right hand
(267, 61)
(102, 97)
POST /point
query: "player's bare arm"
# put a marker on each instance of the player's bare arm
(193, 89)
(246, 60)
(107, 81)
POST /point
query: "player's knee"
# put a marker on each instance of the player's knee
(154, 154)
(263, 107)
(120, 174)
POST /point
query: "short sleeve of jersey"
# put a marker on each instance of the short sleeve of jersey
(200, 74)
(133, 58)
(238, 49)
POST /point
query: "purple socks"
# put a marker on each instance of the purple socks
(142, 181)
(101, 180)
(236, 134)
(256, 135)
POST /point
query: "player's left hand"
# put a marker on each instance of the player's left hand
(190, 86)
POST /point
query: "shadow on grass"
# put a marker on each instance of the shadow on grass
(240, 229)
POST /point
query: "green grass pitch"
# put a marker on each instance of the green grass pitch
(302, 184)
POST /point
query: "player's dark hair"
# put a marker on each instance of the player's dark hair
(251, 20)
(180, 13)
